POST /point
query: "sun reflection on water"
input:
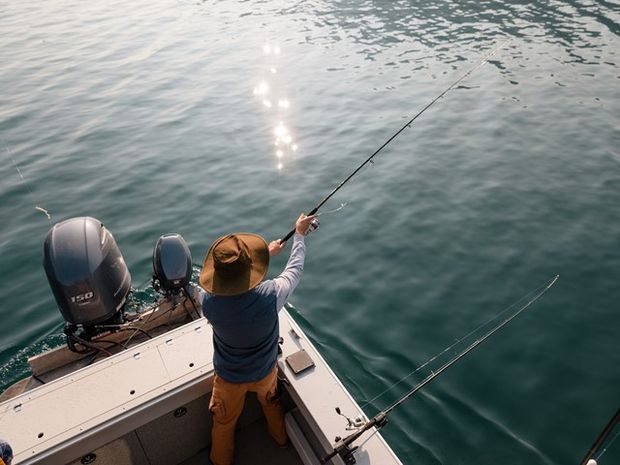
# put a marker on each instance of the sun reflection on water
(270, 94)
(261, 89)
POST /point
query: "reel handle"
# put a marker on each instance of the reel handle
(292, 231)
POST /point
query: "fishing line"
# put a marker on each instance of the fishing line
(343, 447)
(36, 207)
(452, 346)
(531, 297)
(407, 125)
(608, 446)
(335, 210)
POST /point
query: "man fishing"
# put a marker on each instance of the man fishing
(243, 311)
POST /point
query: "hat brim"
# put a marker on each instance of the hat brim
(214, 283)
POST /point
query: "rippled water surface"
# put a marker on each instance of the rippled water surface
(204, 118)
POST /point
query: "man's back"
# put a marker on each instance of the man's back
(243, 311)
(245, 332)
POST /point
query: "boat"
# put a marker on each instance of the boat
(134, 387)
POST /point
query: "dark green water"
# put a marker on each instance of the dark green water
(151, 117)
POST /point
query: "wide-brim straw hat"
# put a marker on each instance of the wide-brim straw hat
(235, 264)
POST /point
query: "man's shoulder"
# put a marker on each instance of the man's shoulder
(266, 287)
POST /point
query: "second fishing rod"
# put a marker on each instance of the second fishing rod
(397, 133)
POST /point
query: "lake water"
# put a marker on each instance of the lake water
(204, 118)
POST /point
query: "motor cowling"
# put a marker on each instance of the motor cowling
(86, 271)
(172, 263)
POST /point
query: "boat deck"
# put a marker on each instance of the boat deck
(149, 405)
(249, 440)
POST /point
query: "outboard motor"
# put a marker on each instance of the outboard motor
(172, 264)
(86, 271)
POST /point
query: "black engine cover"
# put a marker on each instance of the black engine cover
(86, 271)
(172, 262)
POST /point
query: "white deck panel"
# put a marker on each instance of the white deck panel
(321, 392)
(194, 349)
(73, 404)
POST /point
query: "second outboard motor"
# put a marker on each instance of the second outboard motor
(172, 263)
(86, 271)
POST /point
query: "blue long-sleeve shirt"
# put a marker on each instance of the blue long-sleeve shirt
(245, 326)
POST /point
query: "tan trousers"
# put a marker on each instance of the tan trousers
(226, 405)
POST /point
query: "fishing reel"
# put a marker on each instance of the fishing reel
(352, 423)
(344, 446)
(314, 225)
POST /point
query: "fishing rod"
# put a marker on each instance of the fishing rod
(407, 125)
(343, 448)
(601, 439)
